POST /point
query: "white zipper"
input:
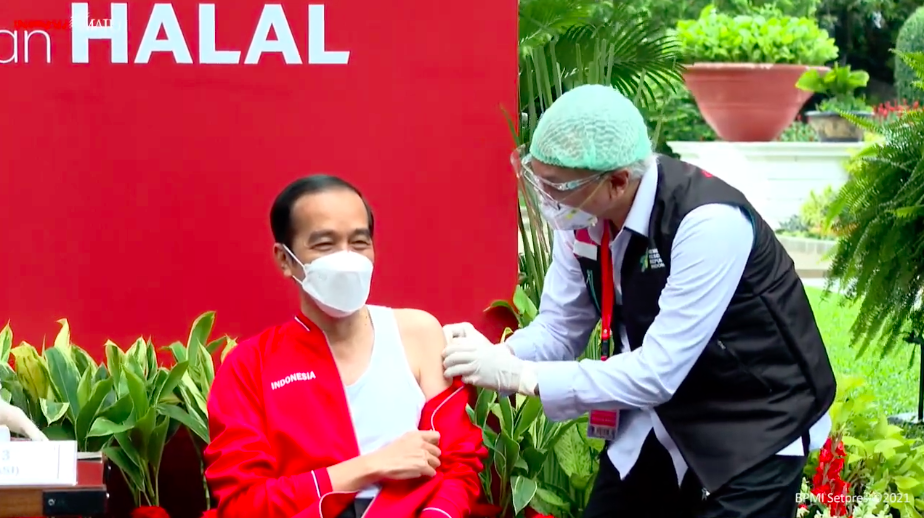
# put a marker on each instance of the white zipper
(440, 406)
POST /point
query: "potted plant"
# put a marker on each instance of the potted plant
(839, 85)
(744, 69)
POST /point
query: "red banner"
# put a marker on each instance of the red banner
(143, 144)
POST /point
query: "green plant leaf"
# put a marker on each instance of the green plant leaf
(63, 431)
(53, 410)
(171, 382)
(128, 467)
(523, 490)
(136, 390)
(574, 457)
(85, 385)
(87, 415)
(486, 398)
(156, 444)
(64, 379)
(6, 343)
(103, 427)
(178, 351)
(527, 414)
(506, 415)
(120, 411)
(198, 338)
(905, 484)
(115, 359)
(197, 426)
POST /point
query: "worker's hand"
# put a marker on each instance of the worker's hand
(16, 420)
(415, 454)
(464, 330)
(465, 333)
(491, 367)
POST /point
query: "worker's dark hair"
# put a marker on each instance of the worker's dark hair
(281, 212)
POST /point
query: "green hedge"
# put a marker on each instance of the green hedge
(910, 39)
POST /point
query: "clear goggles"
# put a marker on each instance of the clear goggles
(521, 161)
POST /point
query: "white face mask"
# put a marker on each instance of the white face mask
(339, 282)
(563, 217)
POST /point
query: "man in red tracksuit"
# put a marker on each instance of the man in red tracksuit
(342, 411)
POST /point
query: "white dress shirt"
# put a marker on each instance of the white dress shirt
(708, 257)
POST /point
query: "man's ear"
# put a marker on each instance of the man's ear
(282, 260)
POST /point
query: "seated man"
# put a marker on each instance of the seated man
(343, 411)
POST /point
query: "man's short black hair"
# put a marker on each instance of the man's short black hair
(281, 213)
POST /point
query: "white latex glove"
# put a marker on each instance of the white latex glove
(15, 419)
(491, 366)
(464, 330)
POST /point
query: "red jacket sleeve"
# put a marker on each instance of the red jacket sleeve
(241, 468)
(462, 451)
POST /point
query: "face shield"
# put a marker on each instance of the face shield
(543, 196)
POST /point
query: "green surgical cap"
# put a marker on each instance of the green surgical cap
(591, 127)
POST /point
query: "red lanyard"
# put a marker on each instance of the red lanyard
(606, 285)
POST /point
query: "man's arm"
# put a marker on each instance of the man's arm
(461, 446)
(708, 258)
(566, 313)
(424, 341)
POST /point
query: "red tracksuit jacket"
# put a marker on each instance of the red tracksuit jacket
(278, 417)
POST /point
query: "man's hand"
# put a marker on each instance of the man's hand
(490, 366)
(17, 421)
(415, 454)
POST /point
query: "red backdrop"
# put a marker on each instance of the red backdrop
(136, 195)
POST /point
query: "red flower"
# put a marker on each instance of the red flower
(818, 479)
(839, 450)
(532, 513)
(149, 512)
(825, 455)
(822, 491)
(835, 467)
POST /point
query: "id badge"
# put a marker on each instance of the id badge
(603, 425)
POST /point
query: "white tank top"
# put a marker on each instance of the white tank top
(386, 401)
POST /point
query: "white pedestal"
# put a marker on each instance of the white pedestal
(776, 177)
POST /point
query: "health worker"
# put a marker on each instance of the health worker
(714, 382)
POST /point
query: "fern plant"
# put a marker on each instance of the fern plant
(879, 257)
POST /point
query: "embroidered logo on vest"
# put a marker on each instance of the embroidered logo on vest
(651, 260)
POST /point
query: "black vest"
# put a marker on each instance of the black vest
(764, 377)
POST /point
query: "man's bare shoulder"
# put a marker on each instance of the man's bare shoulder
(424, 342)
(418, 323)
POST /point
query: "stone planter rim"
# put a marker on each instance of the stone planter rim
(816, 113)
(725, 66)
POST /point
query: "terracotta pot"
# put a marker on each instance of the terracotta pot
(831, 127)
(747, 102)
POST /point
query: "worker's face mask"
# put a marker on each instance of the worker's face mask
(559, 203)
(338, 283)
(563, 217)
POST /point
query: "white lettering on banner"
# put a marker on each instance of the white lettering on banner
(298, 376)
(272, 20)
(27, 35)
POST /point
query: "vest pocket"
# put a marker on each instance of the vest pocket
(744, 367)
